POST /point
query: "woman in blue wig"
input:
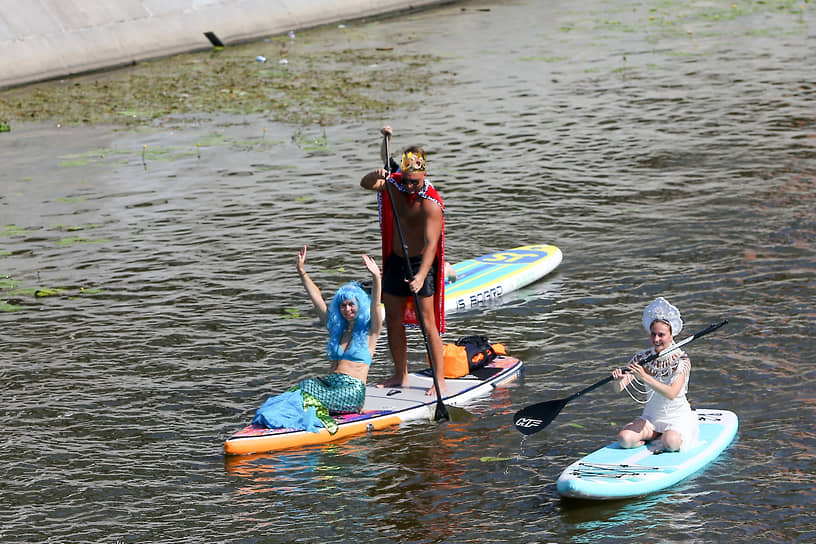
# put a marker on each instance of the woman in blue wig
(354, 323)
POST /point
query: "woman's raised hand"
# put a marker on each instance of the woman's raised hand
(371, 265)
(301, 260)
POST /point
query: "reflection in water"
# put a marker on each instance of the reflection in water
(595, 521)
(312, 462)
(430, 477)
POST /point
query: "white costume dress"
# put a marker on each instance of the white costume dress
(665, 414)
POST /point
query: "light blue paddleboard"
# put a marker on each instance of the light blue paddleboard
(616, 473)
(486, 279)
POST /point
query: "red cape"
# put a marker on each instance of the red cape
(387, 228)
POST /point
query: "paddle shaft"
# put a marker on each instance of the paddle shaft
(535, 417)
(652, 357)
(441, 410)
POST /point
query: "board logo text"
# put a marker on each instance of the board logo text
(527, 422)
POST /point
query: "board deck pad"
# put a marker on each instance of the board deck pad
(384, 407)
(612, 472)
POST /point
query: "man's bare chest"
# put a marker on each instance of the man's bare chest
(412, 211)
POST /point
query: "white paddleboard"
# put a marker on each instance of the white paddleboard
(383, 407)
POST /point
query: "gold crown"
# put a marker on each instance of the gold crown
(413, 162)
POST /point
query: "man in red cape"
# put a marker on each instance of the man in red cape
(422, 217)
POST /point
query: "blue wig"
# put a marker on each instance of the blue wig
(337, 324)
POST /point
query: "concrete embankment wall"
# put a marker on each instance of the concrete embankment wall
(44, 39)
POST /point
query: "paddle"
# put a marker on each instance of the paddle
(535, 417)
(441, 410)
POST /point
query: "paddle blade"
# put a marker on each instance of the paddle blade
(450, 413)
(441, 412)
(459, 415)
(533, 418)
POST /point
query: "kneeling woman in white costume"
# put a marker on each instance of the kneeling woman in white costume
(663, 383)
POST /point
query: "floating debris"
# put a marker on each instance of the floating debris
(214, 39)
(487, 459)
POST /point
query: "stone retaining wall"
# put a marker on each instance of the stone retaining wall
(44, 39)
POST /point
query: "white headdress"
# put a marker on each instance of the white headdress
(662, 310)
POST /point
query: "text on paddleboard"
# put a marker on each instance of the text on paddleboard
(478, 299)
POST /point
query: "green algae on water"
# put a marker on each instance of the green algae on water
(13, 230)
(306, 86)
(292, 313)
(14, 290)
(7, 307)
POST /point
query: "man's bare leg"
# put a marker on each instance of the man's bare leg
(397, 340)
(435, 342)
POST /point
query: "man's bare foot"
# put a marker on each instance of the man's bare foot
(432, 391)
(395, 381)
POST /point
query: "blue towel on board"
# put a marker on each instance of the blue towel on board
(285, 411)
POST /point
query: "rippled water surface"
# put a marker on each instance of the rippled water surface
(668, 149)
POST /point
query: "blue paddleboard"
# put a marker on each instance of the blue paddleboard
(486, 279)
(616, 473)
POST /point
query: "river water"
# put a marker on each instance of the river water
(668, 149)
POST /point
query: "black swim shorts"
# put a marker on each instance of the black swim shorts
(395, 276)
